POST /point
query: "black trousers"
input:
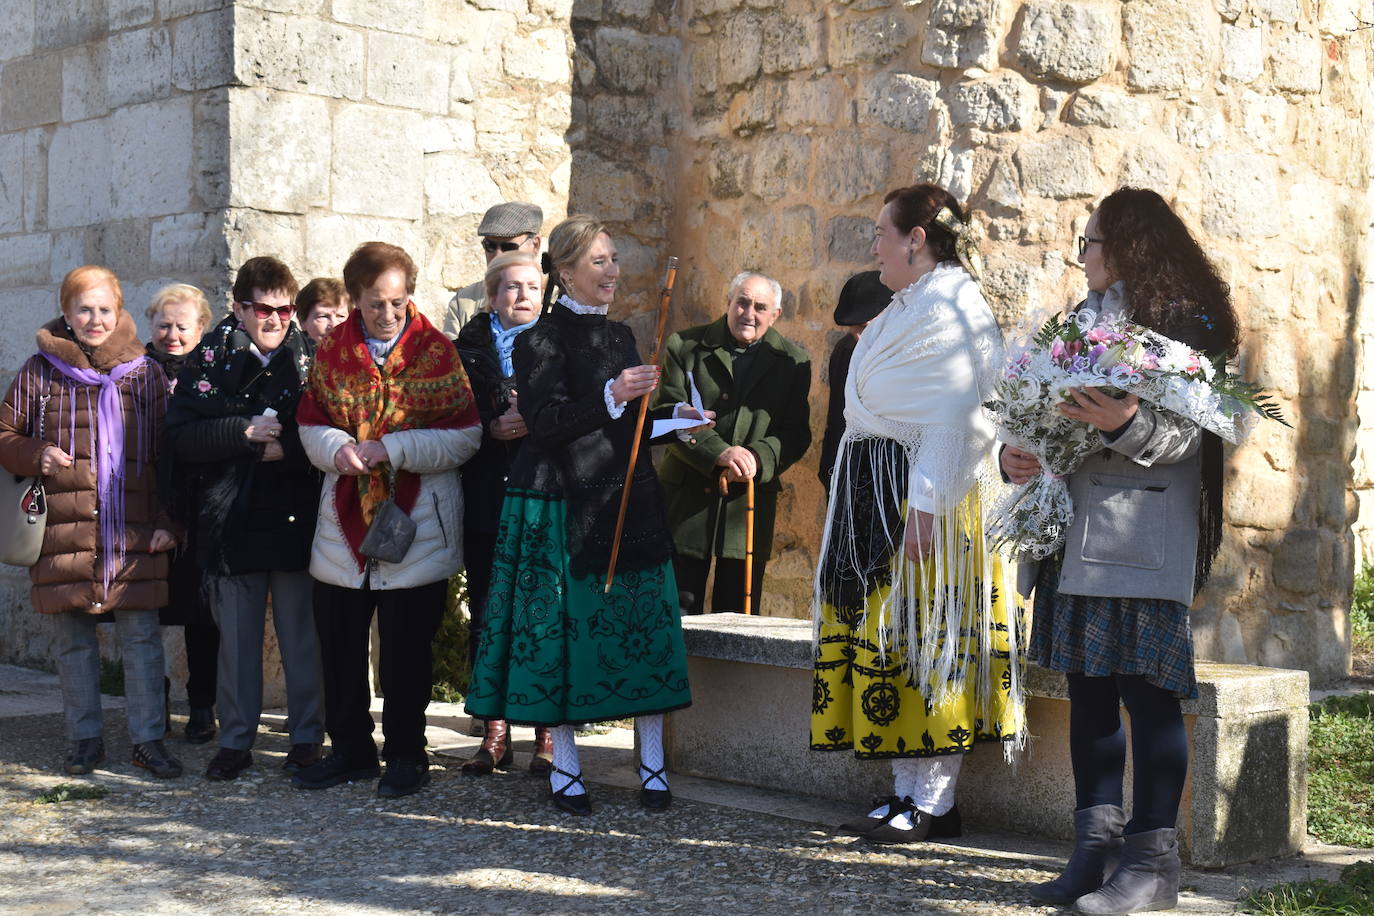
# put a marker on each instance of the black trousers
(202, 662)
(407, 619)
(727, 593)
(479, 552)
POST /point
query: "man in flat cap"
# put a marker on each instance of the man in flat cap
(757, 382)
(861, 299)
(511, 226)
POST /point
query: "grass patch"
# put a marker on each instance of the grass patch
(111, 678)
(67, 791)
(1362, 623)
(1352, 896)
(451, 667)
(1340, 771)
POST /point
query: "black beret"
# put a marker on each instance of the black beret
(861, 299)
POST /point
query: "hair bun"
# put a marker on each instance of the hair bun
(546, 263)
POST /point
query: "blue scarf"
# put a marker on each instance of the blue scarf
(505, 342)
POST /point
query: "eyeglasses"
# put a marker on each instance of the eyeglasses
(492, 247)
(1084, 241)
(264, 311)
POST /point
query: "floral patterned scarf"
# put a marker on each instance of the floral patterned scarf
(421, 385)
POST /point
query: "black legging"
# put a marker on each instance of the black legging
(1097, 745)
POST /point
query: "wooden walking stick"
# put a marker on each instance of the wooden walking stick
(724, 486)
(664, 298)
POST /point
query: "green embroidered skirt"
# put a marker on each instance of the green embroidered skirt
(556, 649)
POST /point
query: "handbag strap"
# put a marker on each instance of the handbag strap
(42, 416)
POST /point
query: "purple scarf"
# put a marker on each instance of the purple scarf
(108, 450)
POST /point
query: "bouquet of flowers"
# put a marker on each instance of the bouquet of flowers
(1118, 357)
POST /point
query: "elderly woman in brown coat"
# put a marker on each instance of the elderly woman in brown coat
(84, 413)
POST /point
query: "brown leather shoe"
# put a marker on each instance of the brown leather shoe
(494, 752)
(542, 761)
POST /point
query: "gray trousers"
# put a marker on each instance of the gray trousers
(78, 663)
(239, 604)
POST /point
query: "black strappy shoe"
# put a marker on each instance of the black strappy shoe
(653, 799)
(579, 805)
(887, 834)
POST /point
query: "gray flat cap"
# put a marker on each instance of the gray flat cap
(511, 219)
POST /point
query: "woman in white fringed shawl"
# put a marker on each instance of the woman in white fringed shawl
(917, 652)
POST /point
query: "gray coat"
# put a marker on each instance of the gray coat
(1135, 524)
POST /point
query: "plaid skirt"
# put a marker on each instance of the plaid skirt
(1099, 637)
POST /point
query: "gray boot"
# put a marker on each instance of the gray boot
(1096, 839)
(1146, 879)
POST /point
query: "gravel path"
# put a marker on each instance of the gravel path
(494, 845)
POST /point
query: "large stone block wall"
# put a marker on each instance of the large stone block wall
(1252, 117)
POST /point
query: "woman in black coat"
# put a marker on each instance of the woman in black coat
(485, 344)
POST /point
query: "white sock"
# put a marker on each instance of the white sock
(936, 778)
(649, 729)
(565, 761)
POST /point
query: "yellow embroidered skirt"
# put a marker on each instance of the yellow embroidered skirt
(865, 700)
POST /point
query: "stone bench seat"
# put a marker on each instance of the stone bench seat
(1246, 796)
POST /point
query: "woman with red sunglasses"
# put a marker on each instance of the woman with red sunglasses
(231, 427)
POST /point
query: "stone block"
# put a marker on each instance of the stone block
(283, 142)
(1284, 11)
(1296, 62)
(630, 62)
(1004, 185)
(780, 165)
(140, 66)
(1170, 44)
(457, 184)
(12, 149)
(999, 103)
(630, 9)
(24, 260)
(1074, 42)
(850, 239)
(740, 55)
(69, 23)
(37, 142)
(252, 233)
(316, 8)
(210, 148)
(821, 100)
(68, 251)
(406, 72)
(499, 122)
(851, 167)
(125, 14)
(333, 236)
(297, 54)
(121, 245)
(795, 246)
(16, 38)
(791, 43)
(83, 82)
(187, 243)
(1297, 562)
(605, 188)
(727, 172)
(1239, 190)
(151, 148)
(627, 120)
(542, 56)
(1198, 126)
(1061, 168)
(25, 310)
(1147, 166)
(378, 167)
(174, 9)
(587, 10)
(899, 100)
(203, 50)
(1259, 497)
(31, 92)
(868, 39)
(386, 15)
(79, 174)
(962, 34)
(1097, 107)
(1242, 53)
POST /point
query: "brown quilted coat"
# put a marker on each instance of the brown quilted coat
(69, 574)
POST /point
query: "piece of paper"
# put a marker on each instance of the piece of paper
(664, 427)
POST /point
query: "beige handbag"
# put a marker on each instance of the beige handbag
(23, 512)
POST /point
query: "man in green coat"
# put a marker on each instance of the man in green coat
(757, 382)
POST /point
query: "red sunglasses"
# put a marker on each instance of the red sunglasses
(264, 311)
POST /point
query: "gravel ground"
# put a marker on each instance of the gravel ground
(493, 845)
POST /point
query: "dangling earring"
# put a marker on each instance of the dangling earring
(910, 256)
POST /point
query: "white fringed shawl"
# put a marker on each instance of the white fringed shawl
(919, 376)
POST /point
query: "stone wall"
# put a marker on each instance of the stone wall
(1252, 117)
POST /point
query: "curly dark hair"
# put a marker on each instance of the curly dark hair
(1171, 284)
(916, 206)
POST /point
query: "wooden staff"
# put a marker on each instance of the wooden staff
(748, 536)
(665, 297)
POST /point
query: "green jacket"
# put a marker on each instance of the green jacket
(770, 414)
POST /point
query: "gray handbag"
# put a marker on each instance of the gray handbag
(24, 505)
(392, 532)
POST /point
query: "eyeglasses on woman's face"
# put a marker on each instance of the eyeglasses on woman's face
(262, 311)
(1084, 241)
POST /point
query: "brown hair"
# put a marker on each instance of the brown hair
(917, 205)
(569, 241)
(321, 291)
(176, 294)
(372, 259)
(89, 276)
(1171, 284)
(500, 263)
(266, 274)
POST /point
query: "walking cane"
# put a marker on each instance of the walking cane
(748, 537)
(665, 297)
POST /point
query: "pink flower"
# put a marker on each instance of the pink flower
(208, 356)
(1098, 335)
(202, 386)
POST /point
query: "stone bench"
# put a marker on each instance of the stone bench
(1246, 796)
